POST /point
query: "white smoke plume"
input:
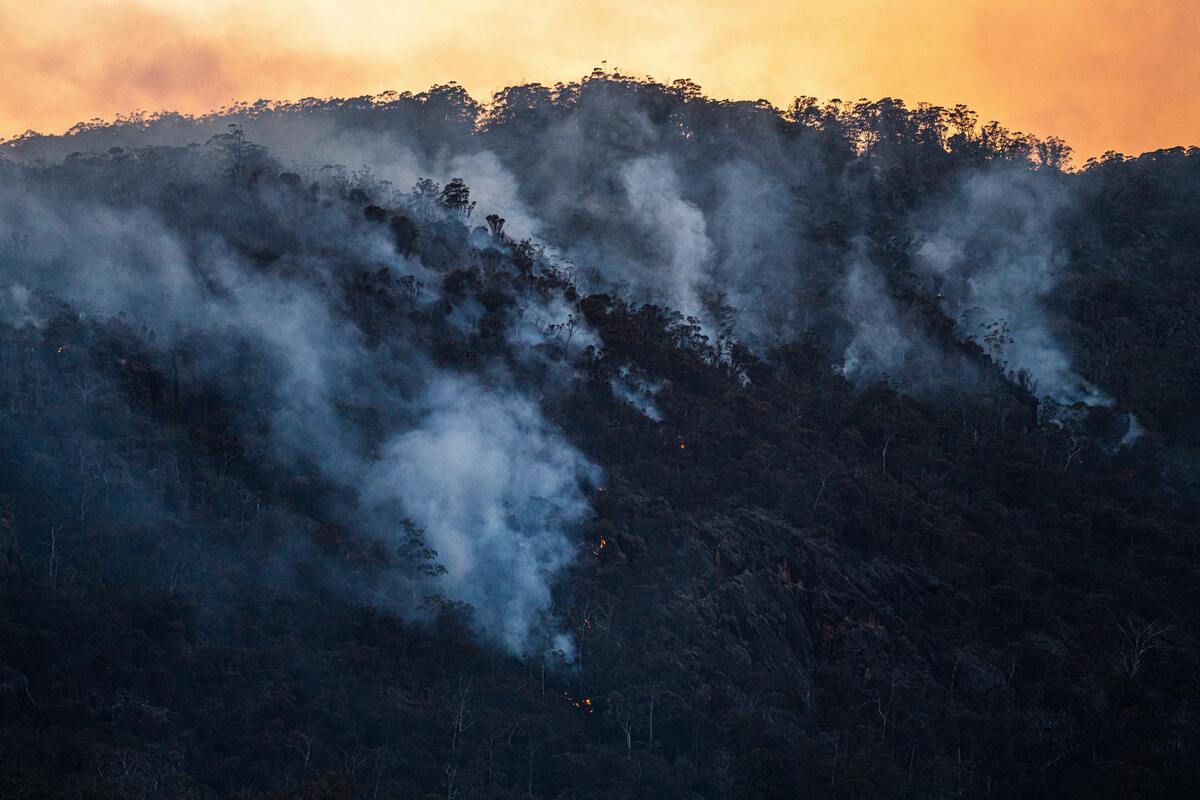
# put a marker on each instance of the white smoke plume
(994, 258)
(674, 225)
(495, 488)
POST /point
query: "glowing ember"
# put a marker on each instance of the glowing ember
(584, 704)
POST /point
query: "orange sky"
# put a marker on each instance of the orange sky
(1103, 74)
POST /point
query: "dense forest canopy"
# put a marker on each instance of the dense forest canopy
(604, 440)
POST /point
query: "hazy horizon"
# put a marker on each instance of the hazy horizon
(1105, 77)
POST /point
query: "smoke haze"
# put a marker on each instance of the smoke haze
(243, 243)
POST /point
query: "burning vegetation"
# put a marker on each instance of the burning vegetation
(584, 704)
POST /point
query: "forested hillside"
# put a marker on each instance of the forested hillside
(605, 440)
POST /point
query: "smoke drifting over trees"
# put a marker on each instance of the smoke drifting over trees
(837, 430)
(476, 467)
(690, 202)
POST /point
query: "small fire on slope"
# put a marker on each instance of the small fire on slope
(584, 704)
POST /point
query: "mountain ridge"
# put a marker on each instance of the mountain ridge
(734, 456)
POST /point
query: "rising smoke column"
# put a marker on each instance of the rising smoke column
(993, 254)
(495, 488)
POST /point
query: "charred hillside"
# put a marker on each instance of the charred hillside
(606, 440)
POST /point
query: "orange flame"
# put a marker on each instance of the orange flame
(584, 705)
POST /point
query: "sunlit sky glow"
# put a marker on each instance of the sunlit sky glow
(1103, 74)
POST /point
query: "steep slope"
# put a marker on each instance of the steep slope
(844, 452)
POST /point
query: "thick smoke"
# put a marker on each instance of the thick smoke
(638, 201)
(994, 257)
(494, 488)
(497, 489)
(675, 231)
(755, 223)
